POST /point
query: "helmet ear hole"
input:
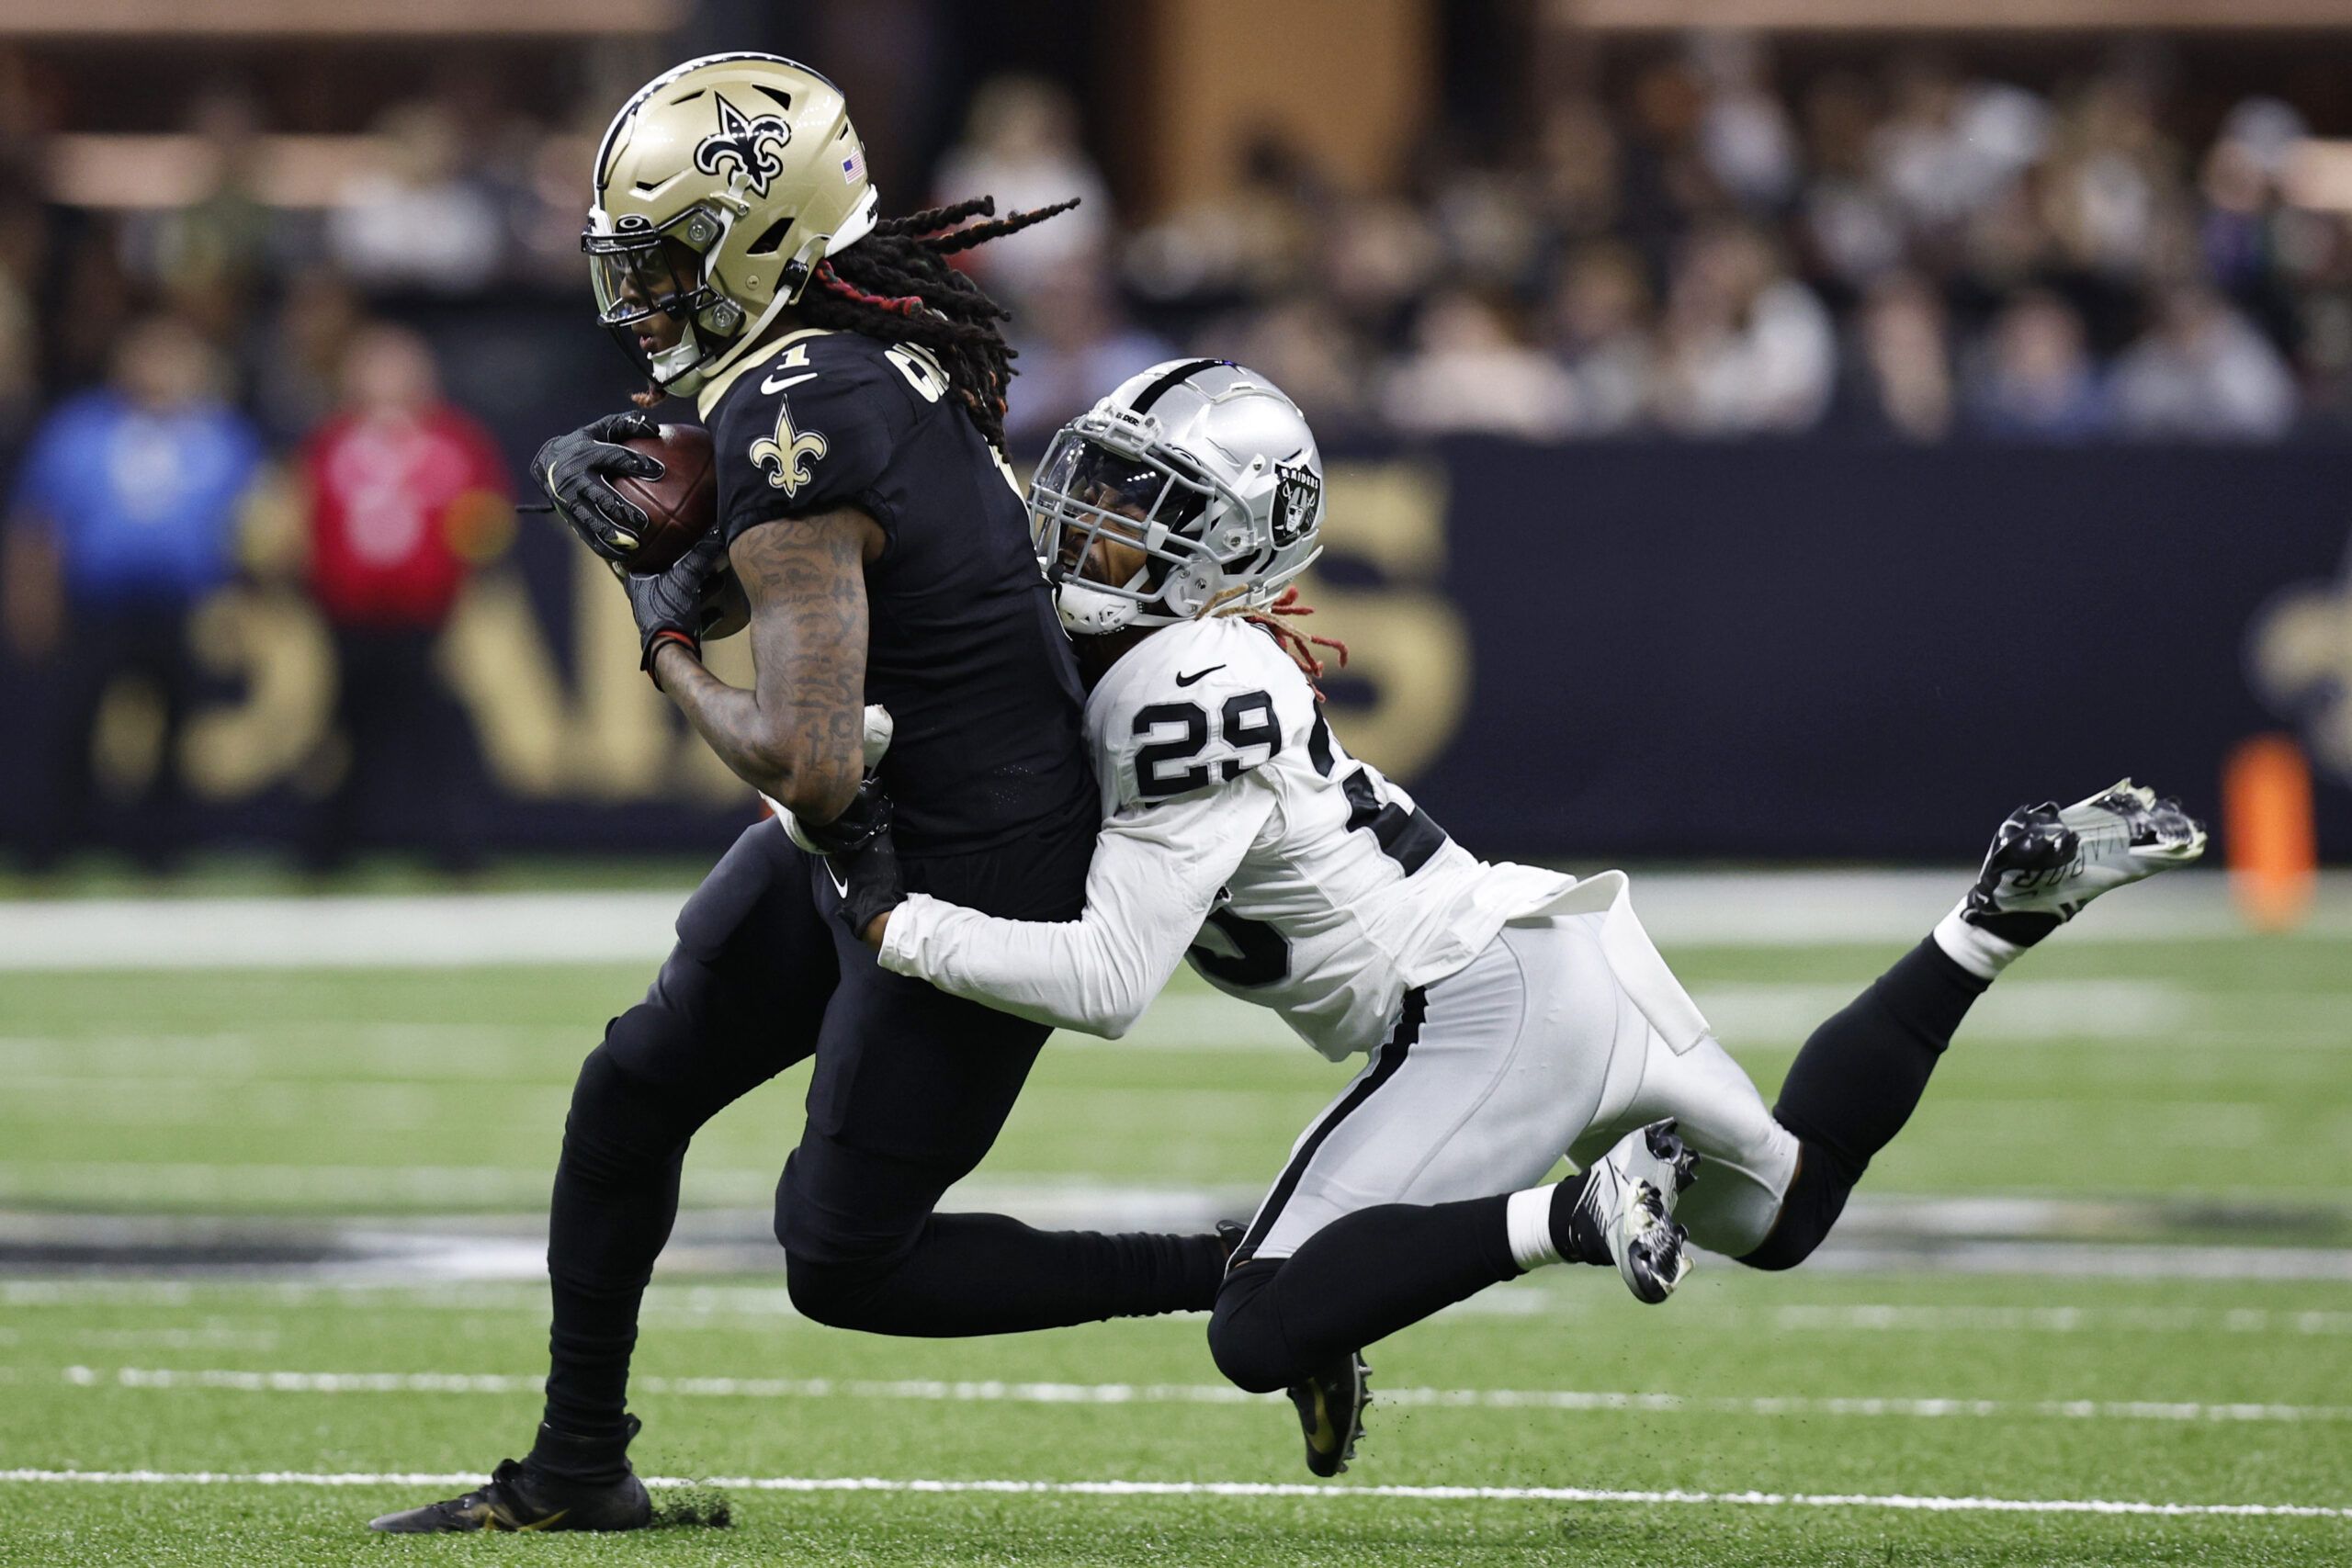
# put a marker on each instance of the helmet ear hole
(771, 239)
(1188, 591)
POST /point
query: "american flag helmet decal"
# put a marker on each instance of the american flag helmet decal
(854, 166)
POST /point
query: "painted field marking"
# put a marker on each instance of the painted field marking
(1728, 910)
(706, 1303)
(1881, 1317)
(1895, 1501)
(409, 1253)
(996, 1391)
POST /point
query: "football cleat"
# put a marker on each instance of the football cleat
(1623, 1211)
(1330, 1411)
(2047, 863)
(518, 1497)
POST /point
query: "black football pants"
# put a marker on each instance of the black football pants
(910, 1088)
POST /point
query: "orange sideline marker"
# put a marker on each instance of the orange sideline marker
(2267, 829)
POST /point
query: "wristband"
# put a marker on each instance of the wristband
(653, 649)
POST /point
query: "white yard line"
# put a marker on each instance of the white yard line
(2082, 1260)
(2059, 1320)
(366, 932)
(995, 1392)
(1762, 909)
(715, 1304)
(1893, 1501)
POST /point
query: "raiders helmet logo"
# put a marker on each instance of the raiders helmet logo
(1298, 501)
(788, 452)
(751, 145)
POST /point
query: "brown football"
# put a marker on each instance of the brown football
(682, 504)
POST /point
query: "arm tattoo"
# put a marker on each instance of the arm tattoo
(797, 734)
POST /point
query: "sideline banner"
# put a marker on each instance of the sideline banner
(1776, 651)
(1807, 650)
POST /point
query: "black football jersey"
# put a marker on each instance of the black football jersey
(963, 646)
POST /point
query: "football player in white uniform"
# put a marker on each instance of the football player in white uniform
(1511, 1014)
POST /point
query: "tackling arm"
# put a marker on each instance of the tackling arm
(797, 735)
(1157, 872)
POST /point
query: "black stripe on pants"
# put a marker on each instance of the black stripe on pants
(1393, 1051)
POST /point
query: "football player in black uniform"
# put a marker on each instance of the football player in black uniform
(853, 384)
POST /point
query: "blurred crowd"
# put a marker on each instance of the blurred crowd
(1699, 251)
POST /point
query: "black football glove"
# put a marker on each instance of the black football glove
(683, 603)
(572, 468)
(862, 856)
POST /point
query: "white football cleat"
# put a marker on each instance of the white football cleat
(1626, 1210)
(2047, 863)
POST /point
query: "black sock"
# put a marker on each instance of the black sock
(616, 1199)
(1575, 1239)
(603, 1238)
(569, 1456)
(1358, 1280)
(1861, 1074)
(1856, 1083)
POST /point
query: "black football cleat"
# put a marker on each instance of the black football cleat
(520, 1496)
(1330, 1412)
(2047, 863)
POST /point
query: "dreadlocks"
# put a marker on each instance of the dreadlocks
(1274, 618)
(895, 283)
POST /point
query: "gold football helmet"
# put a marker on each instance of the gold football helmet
(720, 187)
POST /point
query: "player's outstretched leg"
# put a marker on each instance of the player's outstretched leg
(1296, 1324)
(523, 1497)
(2047, 863)
(1861, 1074)
(1619, 1210)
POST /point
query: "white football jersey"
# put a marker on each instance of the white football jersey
(1348, 896)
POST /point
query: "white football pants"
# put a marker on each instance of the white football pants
(1536, 1049)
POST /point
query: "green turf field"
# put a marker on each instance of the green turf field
(2154, 1106)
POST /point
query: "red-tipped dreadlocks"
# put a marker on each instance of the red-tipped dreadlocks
(903, 304)
(895, 284)
(1295, 642)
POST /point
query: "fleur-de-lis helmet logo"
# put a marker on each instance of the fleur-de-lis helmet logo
(751, 145)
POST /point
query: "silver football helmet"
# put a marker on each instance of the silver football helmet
(1204, 467)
